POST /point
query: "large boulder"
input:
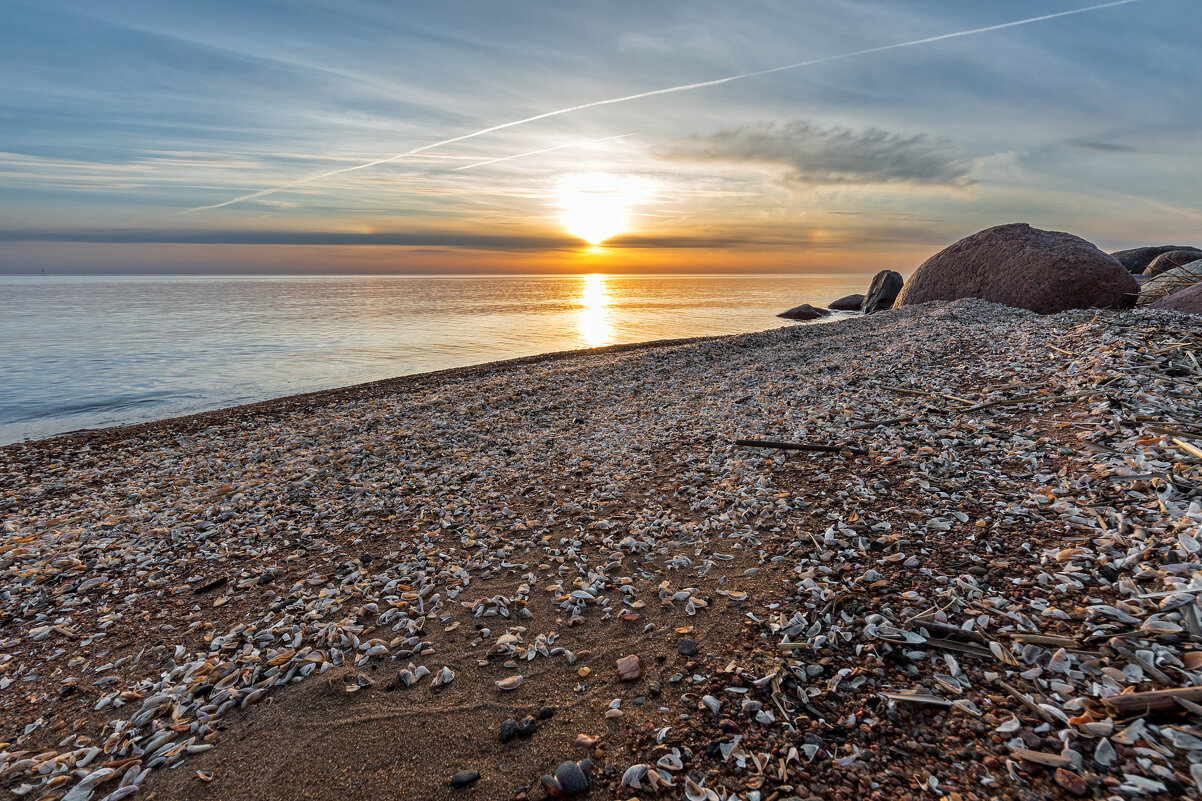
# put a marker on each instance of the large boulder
(1028, 268)
(1136, 260)
(849, 303)
(1188, 300)
(1167, 261)
(803, 312)
(882, 292)
(1170, 282)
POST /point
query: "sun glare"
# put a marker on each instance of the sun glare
(595, 206)
(595, 327)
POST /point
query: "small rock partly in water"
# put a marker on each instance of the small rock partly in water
(804, 312)
(849, 303)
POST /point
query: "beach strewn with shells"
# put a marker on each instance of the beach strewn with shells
(956, 555)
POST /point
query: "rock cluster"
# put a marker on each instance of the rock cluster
(1028, 268)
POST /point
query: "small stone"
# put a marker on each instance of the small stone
(546, 712)
(639, 700)
(654, 689)
(1073, 782)
(585, 741)
(464, 778)
(583, 672)
(629, 668)
(509, 730)
(526, 728)
(686, 647)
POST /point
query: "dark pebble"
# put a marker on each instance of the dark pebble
(509, 730)
(654, 689)
(546, 712)
(464, 778)
(686, 647)
(639, 700)
(526, 728)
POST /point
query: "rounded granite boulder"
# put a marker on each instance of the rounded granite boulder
(804, 312)
(1170, 282)
(882, 292)
(1024, 267)
(1168, 261)
(849, 303)
(1188, 300)
(1136, 260)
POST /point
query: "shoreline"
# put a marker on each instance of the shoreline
(369, 591)
(287, 403)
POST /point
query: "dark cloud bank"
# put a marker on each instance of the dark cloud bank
(820, 155)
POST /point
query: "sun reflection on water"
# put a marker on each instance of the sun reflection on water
(593, 320)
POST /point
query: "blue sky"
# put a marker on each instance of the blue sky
(120, 117)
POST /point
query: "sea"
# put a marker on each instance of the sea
(85, 352)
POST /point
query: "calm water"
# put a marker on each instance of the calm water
(88, 352)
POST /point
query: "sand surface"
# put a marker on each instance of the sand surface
(229, 605)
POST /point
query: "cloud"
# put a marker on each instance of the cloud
(425, 239)
(1105, 147)
(831, 155)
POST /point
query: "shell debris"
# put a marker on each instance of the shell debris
(999, 589)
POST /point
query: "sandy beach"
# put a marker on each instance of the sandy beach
(978, 578)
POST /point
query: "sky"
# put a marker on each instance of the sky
(127, 128)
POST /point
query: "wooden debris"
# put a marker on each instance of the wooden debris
(1151, 701)
(800, 446)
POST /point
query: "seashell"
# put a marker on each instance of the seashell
(634, 775)
(695, 792)
(711, 703)
(510, 682)
(1104, 753)
(570, 778)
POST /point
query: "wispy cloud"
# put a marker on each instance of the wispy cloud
(814, 154)
(688, 87)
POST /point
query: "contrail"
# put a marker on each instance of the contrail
(544, 150)
(669, 90)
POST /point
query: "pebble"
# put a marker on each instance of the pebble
(1020, 540)
(629, 668)
(686, 647)
(464, 778)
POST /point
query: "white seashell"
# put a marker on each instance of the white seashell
(509, 683)
(634, 775)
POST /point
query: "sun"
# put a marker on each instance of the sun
(595, 206)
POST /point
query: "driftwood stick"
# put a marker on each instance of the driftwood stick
(917, 392)
(1151, 701)
(1032, 399)
(799, 446)
(1028, 703)
(874, 423)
